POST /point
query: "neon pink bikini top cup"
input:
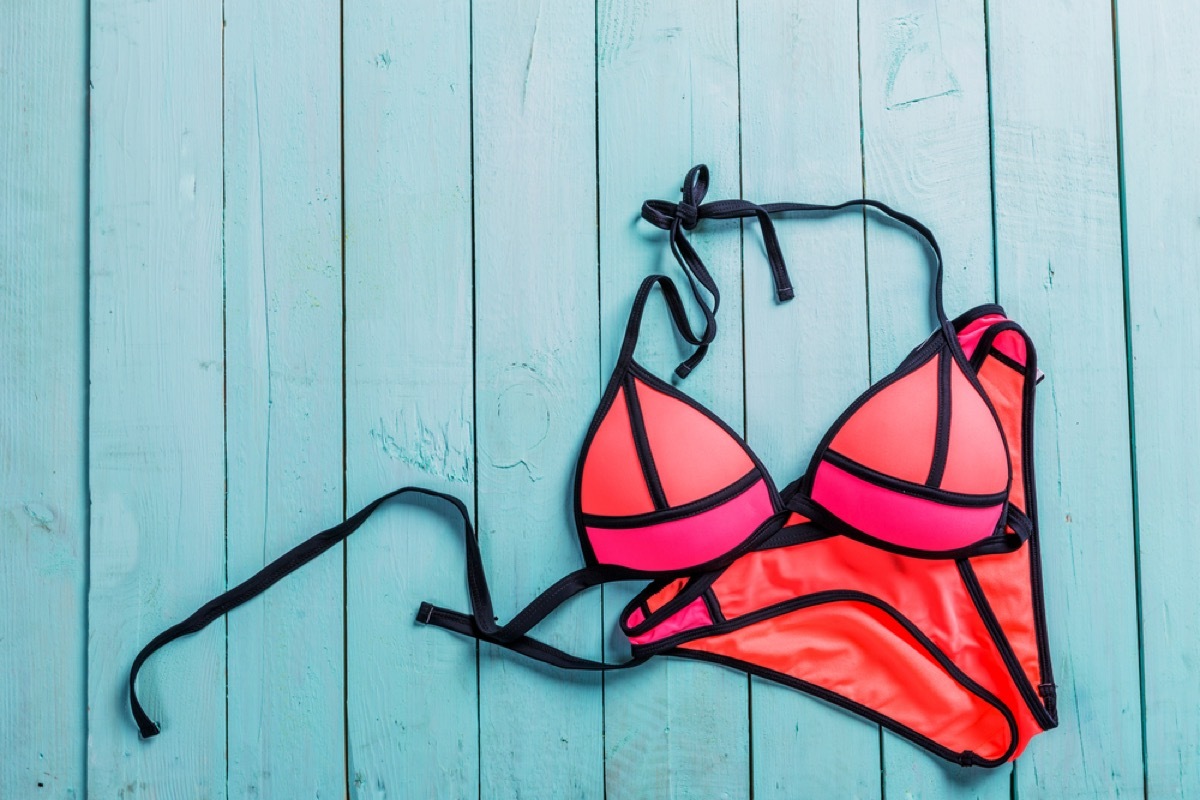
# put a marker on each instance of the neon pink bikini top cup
(919, 462)
(662, 484)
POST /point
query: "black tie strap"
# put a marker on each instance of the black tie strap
(686, 214)
(481, 625)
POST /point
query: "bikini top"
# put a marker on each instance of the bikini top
(663, 487)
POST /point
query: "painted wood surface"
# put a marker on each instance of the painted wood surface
(156, 424)
(413, 705)
(43, 400)
(262, 263)
(283, 401)
(1162, 238)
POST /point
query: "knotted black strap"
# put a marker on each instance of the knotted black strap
(686, 214)
(482, 624)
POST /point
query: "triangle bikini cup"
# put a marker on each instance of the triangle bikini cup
(898, 578)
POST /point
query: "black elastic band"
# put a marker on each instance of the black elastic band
(481, 602)
(524, 645)
(481, 625)
(674, 303)
(686, 214)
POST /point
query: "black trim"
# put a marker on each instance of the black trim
(792, 535)
(1006, 360)
(713, 606)
(913, 362)
(916, 489)
(1003, 646)
(694, 588)
(657, 383)
(669, 646)
(984, 350)
(641, 443)
(982, 310)
(691, 509)
(941, 438)
(998, 542)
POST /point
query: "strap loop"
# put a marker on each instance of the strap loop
(686, 214)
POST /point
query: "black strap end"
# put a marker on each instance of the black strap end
(424, 614)
(785, 293)
(148, 731)
(683, 370)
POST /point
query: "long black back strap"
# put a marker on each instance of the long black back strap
(480, 625)
(676, 218)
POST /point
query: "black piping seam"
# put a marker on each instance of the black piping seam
(983, 350)
(690, 591)
(915, 489)
(969, 373)
(1007, 361)
(658, 384)
(941, 439)
(1046, 688)
(822, 598)
(646, 458)
(985, 345)
(914, 361)
(691, 509)
(793, 535)
(999, 541)
(615, 382)
(967, 317)
(1003, 646)
(714, 608)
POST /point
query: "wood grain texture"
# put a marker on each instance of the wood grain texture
(805, 360)
(1058, 226)
(43, 400)
(283, 346)
(926, 151)
(156, 445)
(1159, 65)
(204, 363)
(412, 691)
(668, 76)
(536, 355)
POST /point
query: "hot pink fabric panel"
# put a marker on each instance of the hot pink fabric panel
(693, 615)
(686, 542)
(900, 518)
(969, 336)
(1011, 343)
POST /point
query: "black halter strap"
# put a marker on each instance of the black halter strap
(686, 214)
(481, 624)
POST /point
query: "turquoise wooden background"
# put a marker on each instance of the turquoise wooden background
(264, 260)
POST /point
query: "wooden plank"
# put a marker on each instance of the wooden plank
(1158, 64)
(156, 447)
(800, 141)
(533, 69)
(43, 405)
(412, 691)
(668, 97)
(283, 334)
(926, 152)
(1059, 256)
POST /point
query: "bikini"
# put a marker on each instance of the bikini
(898, 578)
